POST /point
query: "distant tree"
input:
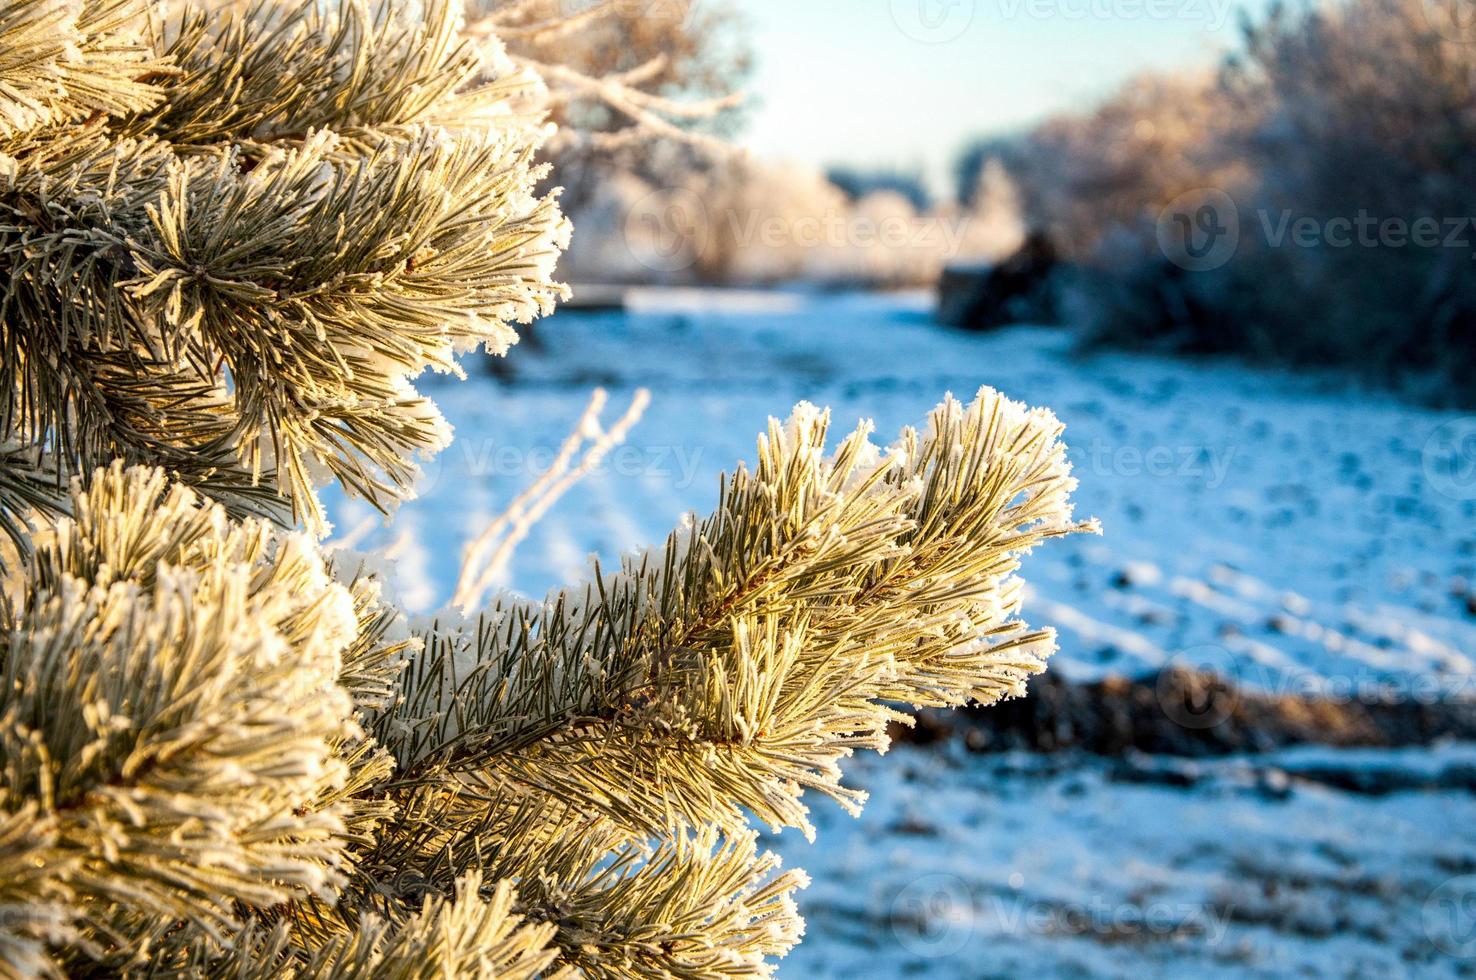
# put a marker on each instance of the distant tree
(638, 86)
(856, 183)
(1008, 151)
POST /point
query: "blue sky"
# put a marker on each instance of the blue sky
(905, 83)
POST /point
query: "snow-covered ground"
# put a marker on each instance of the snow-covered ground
(1293, 532)
(970, 867)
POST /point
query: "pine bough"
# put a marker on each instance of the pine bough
(231, 236)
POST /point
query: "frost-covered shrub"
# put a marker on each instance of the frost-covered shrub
(1082, 178)
(1343, 134)
(1373, 120)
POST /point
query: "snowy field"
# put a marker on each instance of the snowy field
(1292, 532)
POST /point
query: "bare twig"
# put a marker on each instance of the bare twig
(485, 557)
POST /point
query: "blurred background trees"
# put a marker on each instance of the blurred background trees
(1330, 115)
(1326, 114)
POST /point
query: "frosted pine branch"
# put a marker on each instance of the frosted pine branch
(232, 236)
(736, 666)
